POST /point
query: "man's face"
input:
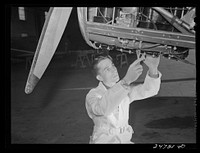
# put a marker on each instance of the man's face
(107, 72)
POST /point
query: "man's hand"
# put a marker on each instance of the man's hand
(134, 70)
(152, 63)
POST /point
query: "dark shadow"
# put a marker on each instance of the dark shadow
(173, 122)
(158, 102)
(158, 125)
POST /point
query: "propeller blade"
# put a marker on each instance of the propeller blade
(52, 31)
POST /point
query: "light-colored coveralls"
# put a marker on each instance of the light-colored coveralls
(109, 109)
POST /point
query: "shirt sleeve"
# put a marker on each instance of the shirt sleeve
(104, 104)
(149, 88)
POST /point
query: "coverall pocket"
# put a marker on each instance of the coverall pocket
(104, 138)
(126, 136)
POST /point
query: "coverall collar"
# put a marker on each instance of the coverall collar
(102, 85)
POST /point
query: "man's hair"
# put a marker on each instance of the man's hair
(97, 60)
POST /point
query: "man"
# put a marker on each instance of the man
(108, 104)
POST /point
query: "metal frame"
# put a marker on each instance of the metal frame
(111, 31)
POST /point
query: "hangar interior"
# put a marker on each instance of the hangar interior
(55, 112)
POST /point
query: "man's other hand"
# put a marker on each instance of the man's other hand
(134, 70)
(152, 63)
